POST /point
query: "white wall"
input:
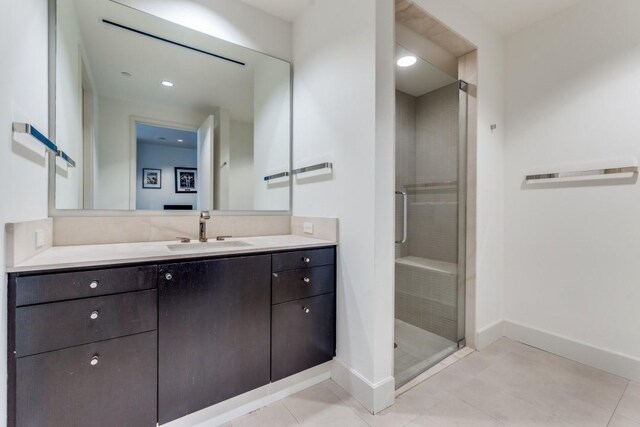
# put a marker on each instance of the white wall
(271, 133)
(335, 119)
(113, 149)
(166, 158)
(241, 166)
(572, 251)
(490, 161)
(233, 21)
(69, 187)
(23, 97)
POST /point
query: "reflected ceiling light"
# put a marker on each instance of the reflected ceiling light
(407, 61)
(181, 140)
(167, 83)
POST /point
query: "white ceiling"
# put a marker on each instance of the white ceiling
(510, 16)
(506, 16)
(284, 9)
(201, 82)
(161, 135)
(420, 78)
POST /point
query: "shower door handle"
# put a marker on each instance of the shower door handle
(404, 216)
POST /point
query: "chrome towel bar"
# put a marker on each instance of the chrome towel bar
(276, 176)
(27, 128)
(325, 165)
(573, 174)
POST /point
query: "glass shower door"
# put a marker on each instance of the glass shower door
(430, 265)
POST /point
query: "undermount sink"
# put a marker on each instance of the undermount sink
(204, 246)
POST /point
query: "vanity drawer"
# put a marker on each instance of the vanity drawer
(301, 259)
(65, 388)
(302, 335)
(47, 327)
(302, 283)
(82, 284)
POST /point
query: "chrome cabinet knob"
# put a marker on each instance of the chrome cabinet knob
(306, 280)
(306, 309)
(94, 315)
(306, 259)
(94, 360)
(93, 284)
(168, 276)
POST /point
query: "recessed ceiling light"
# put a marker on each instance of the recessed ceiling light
(180, 140)
(125, 74)
(167, 83)
(407, 61)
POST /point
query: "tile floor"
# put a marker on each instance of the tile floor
(508, 383)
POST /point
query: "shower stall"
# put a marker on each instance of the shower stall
(431, 153)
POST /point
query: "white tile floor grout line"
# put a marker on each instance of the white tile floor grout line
(613, 414)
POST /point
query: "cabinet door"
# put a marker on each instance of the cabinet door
(109, 383)
(214, 332)
(303, 335)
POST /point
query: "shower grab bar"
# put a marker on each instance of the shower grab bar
(573, 174)
(276, 176)
(404, 215)
(433, 184)
(50, 145)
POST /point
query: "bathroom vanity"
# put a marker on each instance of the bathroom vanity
(112, 324)
(142, 343)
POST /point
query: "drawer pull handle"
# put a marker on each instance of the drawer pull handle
(93, 284)
(306, 279)
(168, 276)
(94, 361)
(306, 310)
(306, 259)
(94, 315)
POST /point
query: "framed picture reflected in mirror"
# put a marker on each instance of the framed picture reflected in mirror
(186, 180)
(152, 178)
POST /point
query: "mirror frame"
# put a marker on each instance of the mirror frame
(54, 212)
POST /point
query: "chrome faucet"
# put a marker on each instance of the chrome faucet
(204, 216)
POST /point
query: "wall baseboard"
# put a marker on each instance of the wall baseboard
(488, 335)
(596, 357)
(600, 358)
(238, 406)
(374, 397)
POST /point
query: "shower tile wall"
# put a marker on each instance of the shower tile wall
(427, 299)
(427, 152)
(433, 216)
(405, 155)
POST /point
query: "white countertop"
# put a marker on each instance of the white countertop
(59, 257)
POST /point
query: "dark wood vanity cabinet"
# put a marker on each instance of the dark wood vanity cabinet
(140, 345)
(65, 387)
(303, 311)
(214, 323)
(79, 359)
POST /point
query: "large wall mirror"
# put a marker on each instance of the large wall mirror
(159, 117)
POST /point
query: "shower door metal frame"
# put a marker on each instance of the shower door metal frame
(462, 209)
